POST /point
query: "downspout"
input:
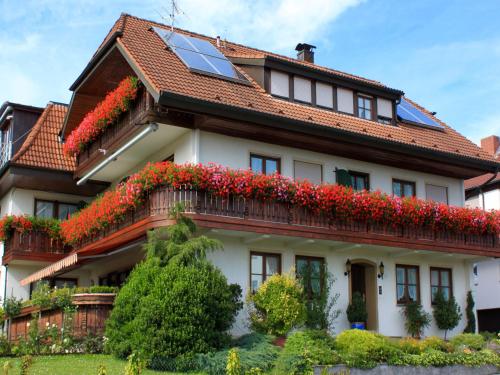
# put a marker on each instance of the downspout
(480, 188)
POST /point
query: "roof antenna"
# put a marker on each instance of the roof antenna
(172, 13)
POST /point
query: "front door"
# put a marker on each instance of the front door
(364, 281)
(358, 283)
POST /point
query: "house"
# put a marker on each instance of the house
(36, 178)
(484, 192)
(206, 100)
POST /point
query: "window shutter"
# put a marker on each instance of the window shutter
(343, 177)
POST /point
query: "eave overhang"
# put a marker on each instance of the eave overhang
(182, 102)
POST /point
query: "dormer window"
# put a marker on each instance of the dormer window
(302, 89)
(365, 107)
(280, 84)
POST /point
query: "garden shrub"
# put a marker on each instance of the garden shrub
(5, 346)
(436, 343)
(469, 358)
(277, 306)
(233, 366)
(303, 349)
(255, 351)
(121, 324)
(364, 349)
(469, 341)
(175, 303)
(446, 312)
(187, 310)
(410, 345)
(416, 319)
(320, 310)
(353, 339)
(469, 313)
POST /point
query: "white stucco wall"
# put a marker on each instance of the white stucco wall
(235, 153)
(22, 202)
(487, 285)
(234, 261)
(487, 282)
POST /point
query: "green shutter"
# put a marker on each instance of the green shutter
(343, 177)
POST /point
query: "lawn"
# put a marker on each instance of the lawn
(72, 364)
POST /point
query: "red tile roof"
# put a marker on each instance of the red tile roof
(165, 72)
(42, 147)
(475, 182)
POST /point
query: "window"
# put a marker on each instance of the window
(262, 266)
(407, 284)
(402, 188)
(324, 95)
(264, 164)
(310, 270)
(54, 209)
(436, 193)
(441, 280)
(308, 171)
(302, 89)
(365, 107)
(384, 108)
(115, 278)
(360, 181)
(280, 84)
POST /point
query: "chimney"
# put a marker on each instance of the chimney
(305, 52)
(491, 145)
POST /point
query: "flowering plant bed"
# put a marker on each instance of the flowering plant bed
(26, 224)
(103, 115)
(334, 201)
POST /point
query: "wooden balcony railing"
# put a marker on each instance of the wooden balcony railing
(237, 213)
(92, 311)
(33, 246)
(125, 126)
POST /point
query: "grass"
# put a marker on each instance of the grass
(72, 364)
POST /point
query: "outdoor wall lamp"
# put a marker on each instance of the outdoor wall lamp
(347, 267)
(381, 270)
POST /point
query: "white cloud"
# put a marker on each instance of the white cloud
(276, 25)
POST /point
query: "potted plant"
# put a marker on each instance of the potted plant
(356, 311)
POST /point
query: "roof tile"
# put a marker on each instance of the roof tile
(167, 73)
(42, 147)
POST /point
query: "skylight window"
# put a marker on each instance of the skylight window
(200, 55)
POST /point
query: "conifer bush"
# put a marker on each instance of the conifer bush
(446, 312)
(174, 303)
(469, 313)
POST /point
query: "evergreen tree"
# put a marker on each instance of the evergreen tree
(175, 302)
(446, 312)
(469, 313)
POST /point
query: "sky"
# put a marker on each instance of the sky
(443, 54)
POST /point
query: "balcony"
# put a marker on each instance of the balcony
(33, 246)
(142, 112)
(274, 218)
(91, 313)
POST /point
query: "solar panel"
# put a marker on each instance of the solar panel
(408, 112)
(200, 55)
